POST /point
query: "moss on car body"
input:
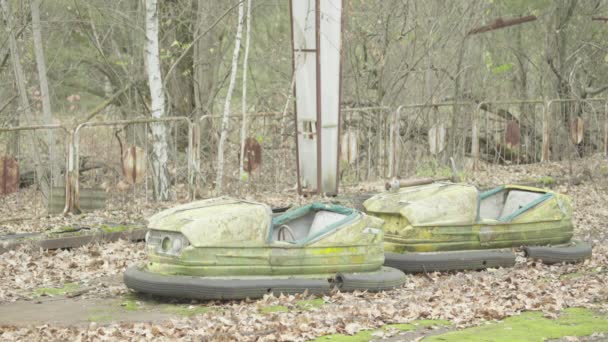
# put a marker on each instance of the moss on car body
(446, 217)
(227, 237)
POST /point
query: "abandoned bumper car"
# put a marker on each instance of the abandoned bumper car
(452, 226)
(232, 249)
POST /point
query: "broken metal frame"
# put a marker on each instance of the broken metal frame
(475, 153)
(53, 127)
(74, 157)
(384, 112)
(549, 118)
(396, 119)
(279, 117)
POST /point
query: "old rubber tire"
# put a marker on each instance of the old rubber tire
(449, 261)
(387, 278)
(140, 280)
(576, 251)
(208, 289)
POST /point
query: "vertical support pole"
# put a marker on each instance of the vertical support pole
(475, 135)
(546, 132)
(391, 145)
(396, 142)
(75, 167)
(193, 157)
(606, 130)
(319, 122)
(380, 163)
(69, 174)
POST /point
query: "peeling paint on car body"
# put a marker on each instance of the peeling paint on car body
(445, 217)
(230, 237)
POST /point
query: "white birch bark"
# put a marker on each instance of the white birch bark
(47, 112)
(244, 104)
(159, 132)
(225, 118)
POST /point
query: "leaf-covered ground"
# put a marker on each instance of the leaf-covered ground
(464, 299)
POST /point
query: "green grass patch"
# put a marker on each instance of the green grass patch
(101, 317)
(56, 291)
(532, 326)
(116, 229)
(546, 180)
(309, 304)
(366, 335)
(273, 308)
(131, 303)
(433, 169)
(185, 310)
(574, 275)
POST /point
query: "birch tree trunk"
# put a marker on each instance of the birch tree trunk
(159, 132)
(47, 112)
(225, 118)
(244, 119)
(24, 101)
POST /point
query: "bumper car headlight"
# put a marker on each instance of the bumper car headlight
(168, 243)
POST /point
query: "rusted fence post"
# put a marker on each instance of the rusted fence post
(475, 135)
(546, 132)
(394, 134)
(606, 130)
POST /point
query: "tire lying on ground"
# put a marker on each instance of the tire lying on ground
(449, 261)
(387, 278)
(256, 287)
(576, 251)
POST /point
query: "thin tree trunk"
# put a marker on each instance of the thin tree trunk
(24, 101)
(159, 132)
(47, 112)
(244, 122)
(225, 118)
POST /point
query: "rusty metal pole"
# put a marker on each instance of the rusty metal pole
(475, 136)
(546, 132)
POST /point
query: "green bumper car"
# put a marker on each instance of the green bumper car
(232, 249)
(452, 226)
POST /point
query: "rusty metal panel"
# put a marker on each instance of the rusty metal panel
(437, 138)
(577, 130)
(9, 175)
(350, 147)
(134, 165)
(253, 155)
(513, 134)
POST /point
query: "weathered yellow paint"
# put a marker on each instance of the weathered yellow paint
(229, 237)
(444, 217)
(333, 250)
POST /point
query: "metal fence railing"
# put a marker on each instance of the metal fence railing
(425, 136)
(125, 158)
(115, 164)
(32, 170)
(269, 163)
(576, 128)
(364, 141)
(508, 131)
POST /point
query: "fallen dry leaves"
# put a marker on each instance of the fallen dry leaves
(465, 298)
